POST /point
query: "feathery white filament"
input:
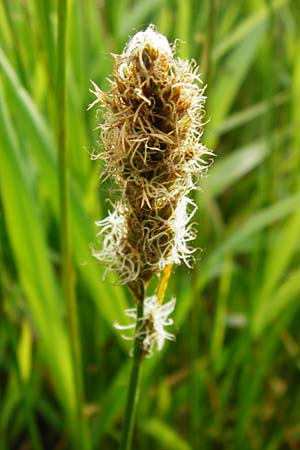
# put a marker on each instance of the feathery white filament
(151, 327)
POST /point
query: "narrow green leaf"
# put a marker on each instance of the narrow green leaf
(231, 168)
(32, 260)
(182, 31)
(253, 225)
(281, 253)
(164, 435)
(246, 27)
(25, 352)
(253, 112)
(233, 71)
(281, 299)
(137, 16)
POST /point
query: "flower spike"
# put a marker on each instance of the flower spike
(152, 151)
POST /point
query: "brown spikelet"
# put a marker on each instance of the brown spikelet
(151, 148)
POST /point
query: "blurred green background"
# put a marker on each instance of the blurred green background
(231, 379)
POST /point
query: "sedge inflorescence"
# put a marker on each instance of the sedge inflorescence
(150, 328)
(152, 150)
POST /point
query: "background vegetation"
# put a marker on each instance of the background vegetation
(231, 380)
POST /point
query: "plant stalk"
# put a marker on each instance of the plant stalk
(134, 382)
(65, 235)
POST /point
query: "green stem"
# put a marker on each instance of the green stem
(133, 390)
(65, 236)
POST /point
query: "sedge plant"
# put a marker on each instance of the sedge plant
(152, 150)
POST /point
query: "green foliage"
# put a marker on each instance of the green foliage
(231, 379)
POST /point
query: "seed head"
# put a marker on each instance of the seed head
(152, 151)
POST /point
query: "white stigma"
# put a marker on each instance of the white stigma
(149, 36)
(151, 327)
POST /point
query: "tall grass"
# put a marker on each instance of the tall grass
(231, 379)
(78, 430)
